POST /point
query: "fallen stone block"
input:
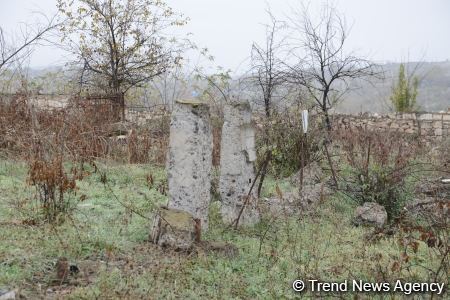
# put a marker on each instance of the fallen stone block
(175, 229)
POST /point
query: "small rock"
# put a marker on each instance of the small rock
(7, 295)
(74, 269)
(370, 214)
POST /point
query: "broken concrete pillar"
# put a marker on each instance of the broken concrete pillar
(237, 157)
(175, 228)
(190, 159)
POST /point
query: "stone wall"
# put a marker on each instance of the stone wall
(144, 115)
(434, 126)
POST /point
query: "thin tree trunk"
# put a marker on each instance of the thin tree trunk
(330, 162)
(327, 120)
(122, 105)
(263, 172)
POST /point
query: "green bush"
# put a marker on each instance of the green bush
(377, 167)
(283, 136)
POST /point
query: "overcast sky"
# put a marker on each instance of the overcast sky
(383, 30)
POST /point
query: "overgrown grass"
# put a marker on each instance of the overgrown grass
(106, 237)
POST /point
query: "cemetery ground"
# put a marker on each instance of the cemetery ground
(105, 240)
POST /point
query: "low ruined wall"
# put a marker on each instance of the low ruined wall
(427, 125)
(144, 115)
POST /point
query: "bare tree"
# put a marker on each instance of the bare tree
(268, 73)
(267, 67)
(19, 47)
(323, 67)
(173, 85)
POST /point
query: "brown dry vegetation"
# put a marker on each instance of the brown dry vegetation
(78, 184)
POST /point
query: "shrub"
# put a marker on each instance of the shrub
(283, 136)
(415, 234)
(87, 130)
(377, 167)
(53, 185)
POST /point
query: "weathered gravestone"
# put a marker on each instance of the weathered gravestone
(237, 157)
(190, 159)
(189, 173)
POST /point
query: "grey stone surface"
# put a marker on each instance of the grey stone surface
(174, 228)
(370, 214)
(432, 201)
(237, 157)
(276, 207)
(430, 126)
(190, 159)
(310, 196)
(434, 187)
(7, 295)
(314, 188)
(435, 211)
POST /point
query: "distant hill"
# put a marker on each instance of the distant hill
(365, 96)
(373, 96)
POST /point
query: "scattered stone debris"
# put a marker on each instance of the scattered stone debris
(435, 211)
(314, 189)
(313, 192)
(432, 202)
(312, 195)
(190, 159)
(437, 187)
(370, 214)
(237, 157)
